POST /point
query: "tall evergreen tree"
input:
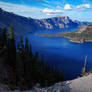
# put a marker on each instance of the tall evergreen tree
(21, 43)
(5, 36)
(12, 47)
(36, 56)
(18, 46)
(30, 51)
(26, 47)
(62, 75)
(11, 34)
(1, 42)
(11, 54)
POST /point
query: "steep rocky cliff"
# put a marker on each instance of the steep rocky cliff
(56, 23)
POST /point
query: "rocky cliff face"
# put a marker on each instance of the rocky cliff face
(56, 23)
(24, 25)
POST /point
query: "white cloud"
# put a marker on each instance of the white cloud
(18, 8)
(52, 12)
(25, 10)
(83, 6)
(46, 10)
(67, 7)
(49, 14)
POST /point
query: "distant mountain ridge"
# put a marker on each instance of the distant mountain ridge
(56, 23)
(20, 24)
(24, 25)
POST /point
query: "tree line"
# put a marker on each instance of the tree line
(24, 68)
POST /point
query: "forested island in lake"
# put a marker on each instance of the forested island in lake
(81, 35)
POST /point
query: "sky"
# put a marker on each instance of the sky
(76, 9)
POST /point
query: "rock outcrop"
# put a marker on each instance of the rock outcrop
(81, 84)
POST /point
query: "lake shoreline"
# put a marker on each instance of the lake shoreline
(63, 35)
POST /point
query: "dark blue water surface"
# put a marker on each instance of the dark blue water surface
(60, 51)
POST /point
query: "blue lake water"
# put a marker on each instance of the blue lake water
(60, 51)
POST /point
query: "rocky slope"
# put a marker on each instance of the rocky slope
(81, 84)
(57, 22)
(24, 25)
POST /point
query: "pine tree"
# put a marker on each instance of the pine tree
(1, 42)
(36, 56)
(11, 50)
(11, 34)
(30, 51)
(18, 46)
(62, 75)
(12, 41)
(26, 47)
(5, 36)
(11, 47)
(21, 43)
